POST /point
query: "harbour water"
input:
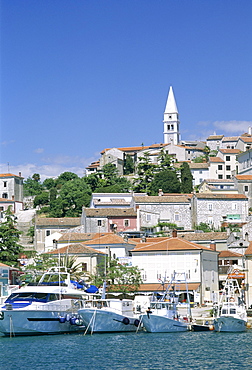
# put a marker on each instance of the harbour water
(188, 350)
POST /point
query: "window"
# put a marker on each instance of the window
(148, 217)
(234, 206)
(246, 188)
(176, 217)
(170, 117)
(5, 195)
(172, 127)
(219, 167)
(228, 177)
(84, 267)
(200, 172)
(99, 223)
(210, 207)
(126, 223)
(48, 232)
(228, 158)
(220, 177)
(168, 127)
(5, 184)
(228, 168)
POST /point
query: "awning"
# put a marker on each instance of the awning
(236, 274)
(160, 288)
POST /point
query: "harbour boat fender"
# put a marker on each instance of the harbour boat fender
(125, 321)
(73, 320)
(62, 319)
(67, 317)
(211, 327)
(79, 322)
(136, 322)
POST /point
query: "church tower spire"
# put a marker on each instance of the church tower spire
(171, 120)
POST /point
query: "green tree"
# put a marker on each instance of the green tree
(200, 159)
(93, 180)
(186, 178)
(9, 237)
(36, 177)
(72, 197)
(32, 186)
(164, 161)
(65, 177)
(122, 185)
(128, 167)
(145, 174)
(49, 183)
(41, 199)
(124, 278)
(166, 180)
(169, 225)
(204, 227)
(119, 277)
(110, 173)
(53, 194)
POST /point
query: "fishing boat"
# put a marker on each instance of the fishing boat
(162, 316)
(47, 307)
(109, 315)
(230, 313)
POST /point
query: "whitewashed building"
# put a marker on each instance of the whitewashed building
(159, 258)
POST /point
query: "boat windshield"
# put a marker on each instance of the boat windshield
(32, 297)
(226, 311)
(159, 305)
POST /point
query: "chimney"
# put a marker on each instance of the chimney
(213, 245)
(19, 174)
(12, 197)
(249, 130)
(160, 192)
(174, 233)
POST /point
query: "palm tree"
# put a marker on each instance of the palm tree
(70, 263)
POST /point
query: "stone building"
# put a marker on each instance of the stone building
(213, 209)
(171, 208)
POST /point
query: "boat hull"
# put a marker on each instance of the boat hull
(28, 322)
(230, 324)
(161, 324)
(102, 321)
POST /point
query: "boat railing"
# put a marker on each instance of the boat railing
(72, 305)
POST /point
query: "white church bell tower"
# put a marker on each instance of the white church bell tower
(171, 120)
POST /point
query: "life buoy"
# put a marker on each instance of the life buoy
(125, 321)
(136, 322)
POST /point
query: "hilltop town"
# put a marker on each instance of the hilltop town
(205, 232)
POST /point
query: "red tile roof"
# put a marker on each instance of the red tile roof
(9, 175)
(76, 248)
(230, 151)
(169, 244)
(216, 160)
(109, 238)
(249, 249)
(224, 254)
(244, 177)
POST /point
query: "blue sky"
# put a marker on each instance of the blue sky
(80, 76)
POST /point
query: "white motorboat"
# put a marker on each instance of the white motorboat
(49, 307)
(162, 316)
(230, 313)
(109, 315)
